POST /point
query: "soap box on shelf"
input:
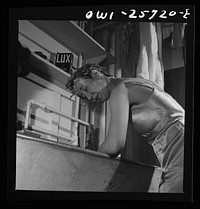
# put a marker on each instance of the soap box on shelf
(64, 61)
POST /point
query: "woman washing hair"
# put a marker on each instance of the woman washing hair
(155, 115)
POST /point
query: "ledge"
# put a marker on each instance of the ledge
(48, 71)
(23, 136)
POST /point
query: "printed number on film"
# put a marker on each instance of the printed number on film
(163, 14)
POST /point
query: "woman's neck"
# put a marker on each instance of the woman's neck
(111, 83)
(105, 92)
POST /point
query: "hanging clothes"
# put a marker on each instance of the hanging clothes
(178, 35)
(150, 64)
(176, 31)
(129, 48)
(167, 29)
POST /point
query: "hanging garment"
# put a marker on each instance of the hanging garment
(178, 35)
(176, 31)
(129, 48)
(167, 29)
(150, 64)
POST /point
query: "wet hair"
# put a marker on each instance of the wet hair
(85, 72)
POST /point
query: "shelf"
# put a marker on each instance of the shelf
(74, 38)
(48, 71)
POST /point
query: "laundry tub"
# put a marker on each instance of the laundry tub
(50, 166)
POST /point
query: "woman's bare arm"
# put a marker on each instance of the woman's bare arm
(116, 137)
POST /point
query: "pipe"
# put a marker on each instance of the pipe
(28, 111)
(69, 139)
(46, 107)
(85, 128)
(63, 114)
(77, 103)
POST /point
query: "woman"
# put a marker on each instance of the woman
(155, 115)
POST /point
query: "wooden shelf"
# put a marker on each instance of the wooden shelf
(75, 39)
(48, 71)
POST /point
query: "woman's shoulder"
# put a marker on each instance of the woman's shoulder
(119, 95)
(123, 85)
(130, 82)
(135, 80)
(118, 88)
(129, 87)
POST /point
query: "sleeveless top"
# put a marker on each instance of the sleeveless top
(157, 114)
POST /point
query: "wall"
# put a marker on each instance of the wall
(172, 57)
(174, 88)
